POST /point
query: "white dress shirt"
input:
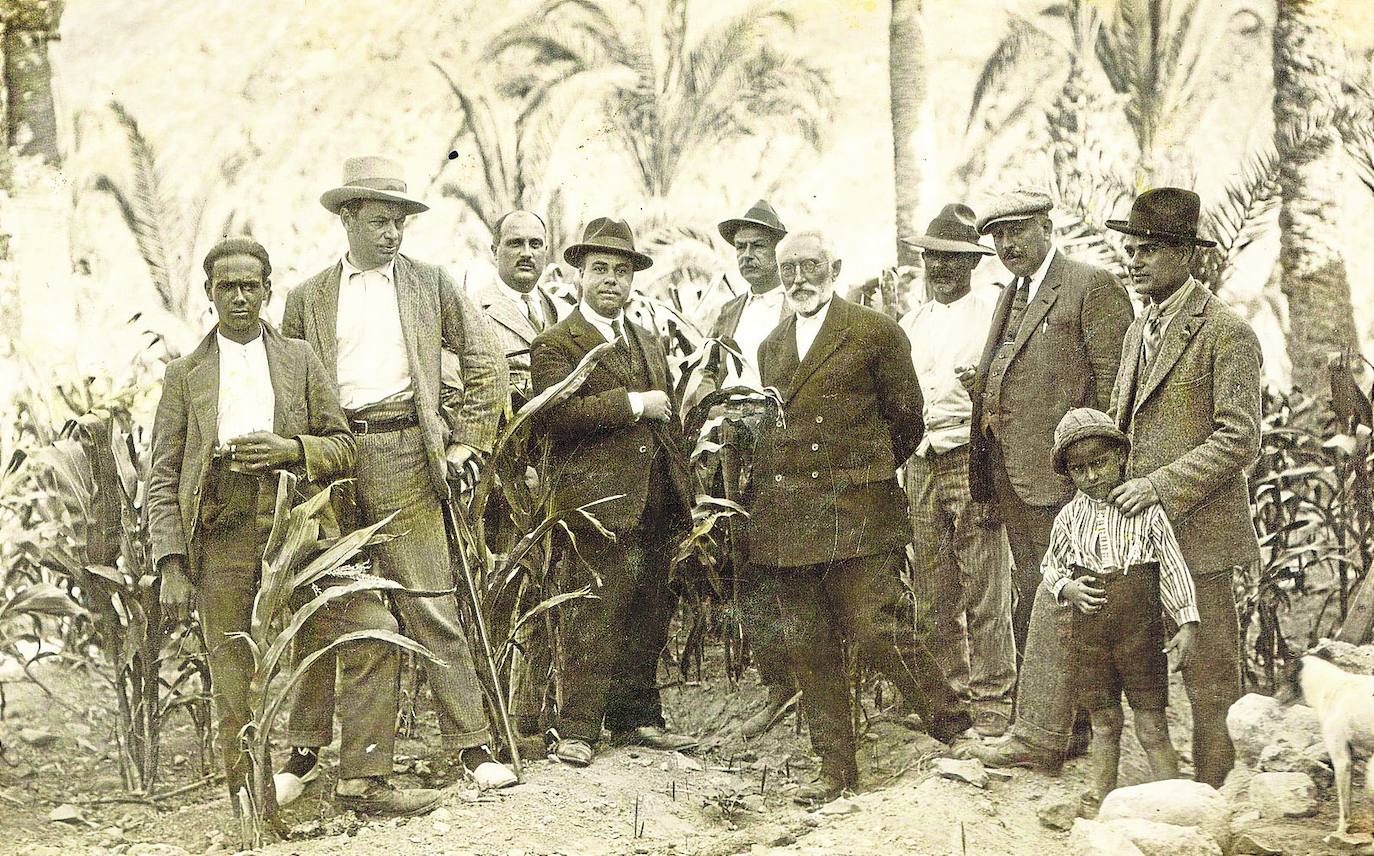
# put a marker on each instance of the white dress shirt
(808, 328)
(603, 326)
(944, 336)
(372, 352)
(246, 402)
(762, 313)
(1039, 275)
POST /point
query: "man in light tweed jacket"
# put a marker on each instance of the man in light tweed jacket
(379, 321)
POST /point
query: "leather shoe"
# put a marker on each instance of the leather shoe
(829, 783)
(780, 699)
(485, 771)
(299, 770)
(1012, 751)
(574, 752)
(385, 799)
(949, 726)
(654, 737)
(990, 723)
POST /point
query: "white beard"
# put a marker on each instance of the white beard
(808, 301)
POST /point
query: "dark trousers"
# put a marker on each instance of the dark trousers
(1028, 531)
(1213, 679)
(808, 611)
(236, 516)
(612, 643)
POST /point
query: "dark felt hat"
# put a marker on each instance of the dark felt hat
(952, 231)
(1167, 214)
(608, 236)
(762, 214)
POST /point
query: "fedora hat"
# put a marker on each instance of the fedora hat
(762, 215)
(608, 236)
(1167, 214)
(372, 177)
(952, 231)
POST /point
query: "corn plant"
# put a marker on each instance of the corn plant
(328, 576)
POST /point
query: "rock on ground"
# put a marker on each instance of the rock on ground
(1358, 659)
(1278, 795)
(970, 771)
(1057, 810)
(1092, 838)
(1165, 839)
(1257, 721)
(1310, 760)
(1176, 801)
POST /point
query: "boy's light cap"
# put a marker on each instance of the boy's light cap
(1081, 423)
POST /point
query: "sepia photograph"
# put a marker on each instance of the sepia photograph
(686, 427)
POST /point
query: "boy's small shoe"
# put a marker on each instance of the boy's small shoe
(489, 774)
(301, 768)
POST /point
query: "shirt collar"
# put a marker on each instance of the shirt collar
(1175, 301)
(771, 297)
(234, 347)
(817, 318)
(1039, 275)
(387, 270)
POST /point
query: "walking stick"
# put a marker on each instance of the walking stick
(458, 547)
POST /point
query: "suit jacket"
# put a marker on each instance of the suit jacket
(513, 330)
(1064, 356)
(824, 482)
(596, 448)
(435, 316)
(186, 431)
(1194, 424)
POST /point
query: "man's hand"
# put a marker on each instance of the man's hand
(263, 450)
(178, 597)
(966, 376)
(464, 465)
(1086, 598)
(1134, 496)
(657, 408)
(1183, 644)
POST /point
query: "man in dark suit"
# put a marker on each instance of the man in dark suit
(618, 435)
(827, 529)
(244, 404)
(1054, 344)
(1188, 395)
(379, 322)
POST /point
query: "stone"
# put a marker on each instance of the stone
(36, 737)
(687, 762)
(1091, 838)
(970, 771)
(1165, 839)
(1312, 761)
(1280, 795)
(838, 806)
(1177, 801)
(66, 813)
(1349, 843)
(1057, 810)
(1252, 844)
(1357, 659)
(1257, 721)
(156, 850)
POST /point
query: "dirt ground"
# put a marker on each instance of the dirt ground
(731, 798)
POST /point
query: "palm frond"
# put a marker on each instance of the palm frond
(1022, 37)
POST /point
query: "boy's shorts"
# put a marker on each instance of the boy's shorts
(1121, 648)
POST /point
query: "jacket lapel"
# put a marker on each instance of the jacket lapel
(731, 313)
(1045, 296)
(647, 348)
(1176, 339)
(202, 384)
(834, 330)
(588, 337)
(325, 311)
(286, 382)
(1130, 376)
(407, 302)
(505, 313)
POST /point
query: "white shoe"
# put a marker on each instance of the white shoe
(491, 776)
(290, 786)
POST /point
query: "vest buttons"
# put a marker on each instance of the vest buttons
(815, 447)
(643, 449)
(820, 419)
(778, 423)
(778, 477)
(815, 475)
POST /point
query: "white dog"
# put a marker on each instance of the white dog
(1344, 704)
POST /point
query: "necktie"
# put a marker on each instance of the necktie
(532, 310)
(1154, 335)
(1018, 308)
(621, 340)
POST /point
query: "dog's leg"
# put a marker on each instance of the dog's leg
(1340, 761)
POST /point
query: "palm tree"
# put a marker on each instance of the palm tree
(31, 121)
(1313, 273)
(665, 98)
(1156, 55)
(906, 66)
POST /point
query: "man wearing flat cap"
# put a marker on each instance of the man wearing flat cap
(963, 563)
(1188, 395)
(618, 435)
(379, 321)
(1054, 344)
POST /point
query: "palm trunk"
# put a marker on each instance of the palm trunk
(907, 81)
(1314, 278)
(32, 116)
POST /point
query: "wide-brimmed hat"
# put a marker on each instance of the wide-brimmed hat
(608, 236)
(762, 215)
(1167, 214)
(1017, 205)
(952, 231)
(1080, 424)
(372, 177)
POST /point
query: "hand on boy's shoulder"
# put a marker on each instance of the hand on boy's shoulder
(1134, 496)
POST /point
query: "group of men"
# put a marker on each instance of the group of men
(403, 379)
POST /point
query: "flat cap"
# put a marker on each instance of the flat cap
(1080, 424)
(1016, 205)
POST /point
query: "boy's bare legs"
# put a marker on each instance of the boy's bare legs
(1104, 756)
(1152, 730)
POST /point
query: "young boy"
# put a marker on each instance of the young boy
(1117, 571)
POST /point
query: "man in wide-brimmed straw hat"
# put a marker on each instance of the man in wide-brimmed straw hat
(1054, 344)
(618, 435)
(379, 321)
(963, 563)
(1188, 396)
(750, 316)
